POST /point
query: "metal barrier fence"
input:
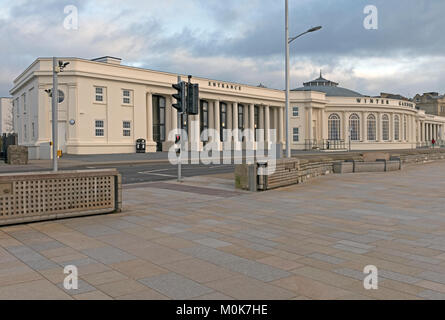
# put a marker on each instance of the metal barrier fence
(311, 144)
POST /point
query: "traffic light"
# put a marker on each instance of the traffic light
(177, 144)
(192, 98)
(180, 96)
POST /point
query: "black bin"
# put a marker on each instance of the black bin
(140, 145)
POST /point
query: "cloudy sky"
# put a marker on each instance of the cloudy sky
(238, 40)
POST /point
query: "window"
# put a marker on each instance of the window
(159, 120)
(100, 128)
(385, 127)
(126, 125)
(256, 114)
(126, 97)
(33, 128)
(396, 127)
(334, 127)
(223, 120)
(295, 111)
(371, 128)
(204, 119)
(99, 94)
(354, 127)
(295, 135)
(240, 117)
(405, 128)
(25, 132)
(240, 122)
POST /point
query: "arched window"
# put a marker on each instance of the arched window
(354, 127)
(405, 128)
(396, 127)
(385, 127)
(334, 127)
(371, 128)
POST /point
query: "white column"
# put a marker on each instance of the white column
(309, 124)
(260, 137)
(174, 118)
(150, 144)
(275, 123)
(236, 142)
(267, 124)
(217, 120)
(379, 127)
(280, 125)
(252, 121)
(211, 117)
(363, 126)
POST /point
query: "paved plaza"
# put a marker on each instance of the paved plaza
(205, 240)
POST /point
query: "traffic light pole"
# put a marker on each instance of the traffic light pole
(180, 122)
(55, 116)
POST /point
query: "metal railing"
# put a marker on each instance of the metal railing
(325, 144)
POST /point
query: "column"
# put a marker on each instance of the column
(345, 126)
(363, 126)
(275, 123)
(391, 127)
(150, 144)
(309, 124)
(378, 127)
(246, 116)
(252, 122)
(236, 144)
(260, 137)
(174, 118)
(267, 124)
(280, 126)
(195, 129)
(211, 117)
(429, 132)
(217, 119)
(229, 116)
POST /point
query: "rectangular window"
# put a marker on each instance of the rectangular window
(295, 111)
(99, 94)
(126, 97)
(296, 134)
(33, 128)
(100, 128)
(127, 128)
(25, 132)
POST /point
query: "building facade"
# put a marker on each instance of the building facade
(108, 106)
(6, 115)
(431, 103)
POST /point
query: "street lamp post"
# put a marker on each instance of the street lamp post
(288, 42)
(58, 66)
(55, 115)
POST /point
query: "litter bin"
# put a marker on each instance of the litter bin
(140, 145)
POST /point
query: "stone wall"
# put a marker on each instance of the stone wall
(17, 155)
(37, 196)
(299, 170)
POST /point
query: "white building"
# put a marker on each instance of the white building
(6, 116)
(107, 106)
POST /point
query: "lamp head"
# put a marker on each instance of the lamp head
(314, 29)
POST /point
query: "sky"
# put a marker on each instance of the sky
(238, 40)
